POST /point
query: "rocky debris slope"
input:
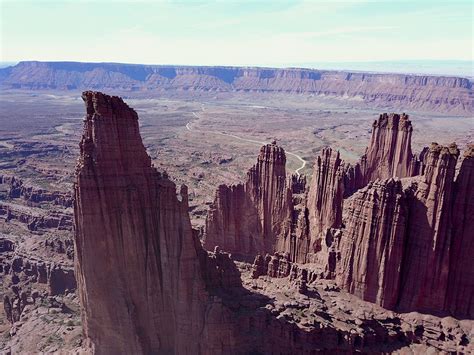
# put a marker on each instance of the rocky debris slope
(247, 219)
(435, 93)
(325, 317)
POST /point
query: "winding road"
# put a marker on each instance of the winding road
(297, 171)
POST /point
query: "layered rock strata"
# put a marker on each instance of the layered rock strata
(373, 241)
(133, 227)
(16, 188)
(247, 219)
(325, 201)
(408, 248)
(388, 154)
(460, 290)
(433, 93)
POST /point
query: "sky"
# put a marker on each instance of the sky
(260, 33)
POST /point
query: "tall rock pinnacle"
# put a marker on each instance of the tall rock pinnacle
(426, 268)
(389, 153)
(140, 281)
(373, 242)
(411, 249)
(460, 297)
(326, 192)
(248, 218)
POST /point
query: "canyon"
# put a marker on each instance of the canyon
(338, 260)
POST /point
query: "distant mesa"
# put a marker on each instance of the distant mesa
(421, 92)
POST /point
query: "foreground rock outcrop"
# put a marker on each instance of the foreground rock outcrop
(140, 278)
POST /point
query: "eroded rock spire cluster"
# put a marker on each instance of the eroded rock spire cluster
(402, 238)
(396, 240)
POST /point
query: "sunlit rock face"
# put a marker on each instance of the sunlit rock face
(247, 219)
(138, 268)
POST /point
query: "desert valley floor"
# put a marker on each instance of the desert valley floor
(203, 139)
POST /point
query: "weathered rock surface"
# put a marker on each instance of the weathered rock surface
(325, 200)
(388, 154)
(436, 93)
(460, 292)
(373, 241)
(426, 264)
(247, 219)
(150, 294)
(407, 249)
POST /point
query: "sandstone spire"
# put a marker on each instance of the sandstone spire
(388, 155)
(326, 192)
(411, 249)
(248, 218)
(460, 297)
(138, 267)
(426, 265)
(389, 152)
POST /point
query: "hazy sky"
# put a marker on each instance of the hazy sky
(236, 32)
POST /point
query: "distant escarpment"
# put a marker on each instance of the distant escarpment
(422, 92)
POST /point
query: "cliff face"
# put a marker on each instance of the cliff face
(138, 267)
(317, 212)
(430, 233)
(450, 94)
(407, 249)
(232, 222)
(460, 293)
(372, 244)
(248, 218)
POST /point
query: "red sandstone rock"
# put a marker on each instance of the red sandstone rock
(325, 192)
(460, 293)
(373, 241)
(411, 249)
(248, 218)
(325, 198)
(388, 155)
(138, 264)
(428, 252)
